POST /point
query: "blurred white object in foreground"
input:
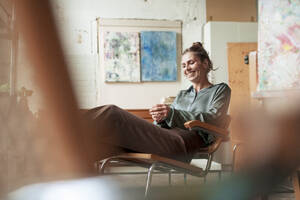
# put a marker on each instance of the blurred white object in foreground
(81, 189)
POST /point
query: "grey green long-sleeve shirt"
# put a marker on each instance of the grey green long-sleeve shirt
(209, 105)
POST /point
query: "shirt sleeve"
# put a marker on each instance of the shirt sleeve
(217, 108)
(161, 124)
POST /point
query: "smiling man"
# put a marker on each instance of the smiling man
(168, 137)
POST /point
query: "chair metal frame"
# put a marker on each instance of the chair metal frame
(166, 165)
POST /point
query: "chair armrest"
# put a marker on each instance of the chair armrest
(216, 131)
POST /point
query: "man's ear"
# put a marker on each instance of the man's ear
(205, 64)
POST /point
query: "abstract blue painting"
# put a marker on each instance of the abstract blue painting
(158, 56)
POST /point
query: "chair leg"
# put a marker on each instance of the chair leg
(149, 178)
(170, 174)
(220, 175)
(208, 164)
(104, 164)
(235, 148)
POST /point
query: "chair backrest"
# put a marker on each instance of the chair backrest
(215, 145)
(227, 120)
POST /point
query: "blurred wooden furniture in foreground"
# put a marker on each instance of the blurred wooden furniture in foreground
(167, 165)
(269, 100)
(266, 100)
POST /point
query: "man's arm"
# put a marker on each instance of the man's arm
(218, 108)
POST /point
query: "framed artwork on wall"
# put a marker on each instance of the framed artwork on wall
(121, 56)
(279, 45)
(137, 50)
(158, 56)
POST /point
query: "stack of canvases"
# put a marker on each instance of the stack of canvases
(130, 58)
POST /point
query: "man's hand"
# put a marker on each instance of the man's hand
(159, 112)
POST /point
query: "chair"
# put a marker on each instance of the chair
(167, 165)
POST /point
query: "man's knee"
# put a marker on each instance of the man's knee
(112, 107)
(105, 112)
(111, 112)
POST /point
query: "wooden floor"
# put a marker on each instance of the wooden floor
(114, 186)
(178, 180)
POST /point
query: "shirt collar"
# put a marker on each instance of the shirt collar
(191, 89)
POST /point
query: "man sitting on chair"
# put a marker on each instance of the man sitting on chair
(121, 131)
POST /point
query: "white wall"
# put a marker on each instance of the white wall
(76, 19)
(216, 37)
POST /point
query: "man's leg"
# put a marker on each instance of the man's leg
(117, 127)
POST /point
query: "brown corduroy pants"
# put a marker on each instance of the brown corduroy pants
(120, 131)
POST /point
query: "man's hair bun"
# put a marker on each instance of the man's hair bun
(197, 44)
